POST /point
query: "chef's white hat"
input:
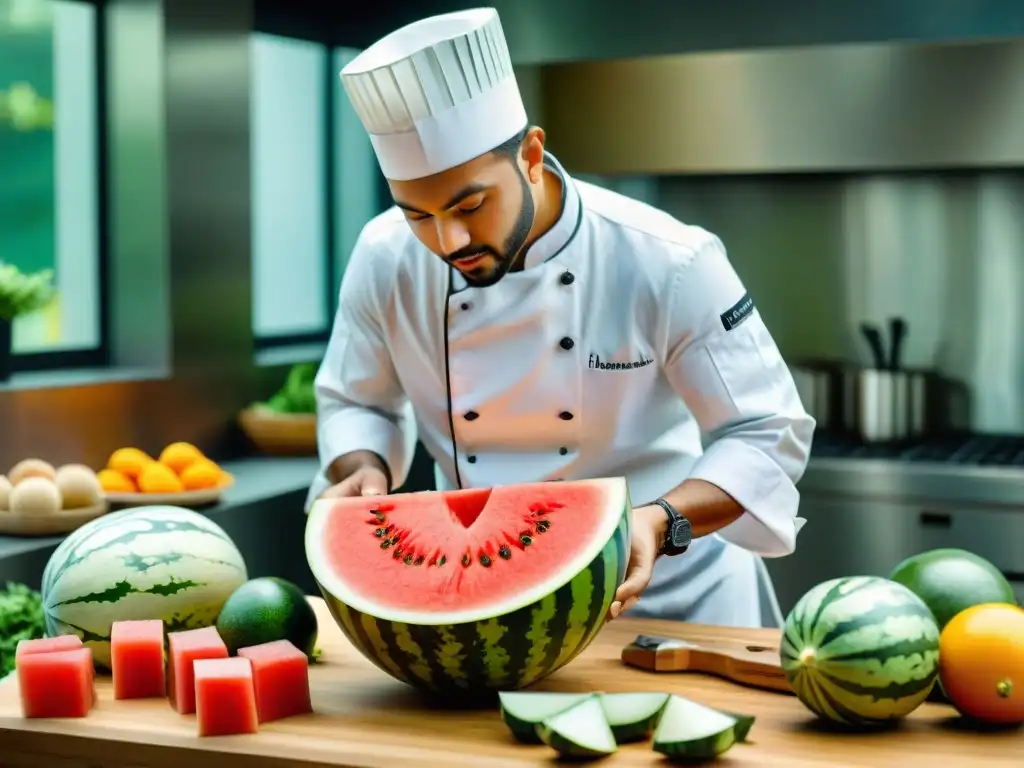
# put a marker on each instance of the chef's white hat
(436, 93)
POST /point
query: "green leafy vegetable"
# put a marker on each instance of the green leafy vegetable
(23, 294)
(21, 618)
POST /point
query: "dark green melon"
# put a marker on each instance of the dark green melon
(472, 592)
(951, 580)
(264, 610)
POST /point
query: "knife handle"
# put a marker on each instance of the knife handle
(754, 666)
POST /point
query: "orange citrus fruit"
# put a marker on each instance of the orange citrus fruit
(201, 475)
(981, 663)
(113, 481)
(159, 478)
(179, 456)
(129, 462)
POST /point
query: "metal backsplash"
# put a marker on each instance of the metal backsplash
(821, 254)
(820, 109)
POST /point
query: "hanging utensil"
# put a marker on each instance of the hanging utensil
(874, 339)
(897, 332)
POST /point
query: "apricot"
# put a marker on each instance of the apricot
(201, 475)
(159, 478)
(179, 456)
(129, 462)
(113, 481)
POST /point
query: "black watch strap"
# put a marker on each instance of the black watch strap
(679, 533)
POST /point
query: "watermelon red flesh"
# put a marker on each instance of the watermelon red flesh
(280, 673)
(137, 658)
(225, 697)
(56, 683)
(463, 551)
(186, 648)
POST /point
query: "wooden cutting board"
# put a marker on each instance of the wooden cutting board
(365, 719)
(743, 663)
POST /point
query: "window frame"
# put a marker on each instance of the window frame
(98, 356)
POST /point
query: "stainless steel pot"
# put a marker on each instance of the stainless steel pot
(885, 405)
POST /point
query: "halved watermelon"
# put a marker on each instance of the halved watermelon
(476, 590)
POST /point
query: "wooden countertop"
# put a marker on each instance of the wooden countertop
(364, 719)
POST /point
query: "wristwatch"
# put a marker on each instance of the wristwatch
(679, 533)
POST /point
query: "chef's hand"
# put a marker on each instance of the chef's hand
(649, 526)
(367, 481)
(363, 475)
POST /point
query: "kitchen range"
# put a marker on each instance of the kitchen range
(870, 505)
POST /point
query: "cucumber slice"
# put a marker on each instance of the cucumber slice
(633, 716)
(580, 731)
(692, 731)
(523, 711)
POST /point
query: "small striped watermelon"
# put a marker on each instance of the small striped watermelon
(477, 590)
(861, 651)
(156, 562)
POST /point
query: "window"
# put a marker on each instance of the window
(315, 184)
(50, 181)
(291, 264)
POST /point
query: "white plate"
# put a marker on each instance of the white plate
(184, 499)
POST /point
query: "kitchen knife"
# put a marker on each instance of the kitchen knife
(750, 665)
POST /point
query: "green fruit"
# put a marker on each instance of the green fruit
(950, 580)
(264, 610)
(860, 651)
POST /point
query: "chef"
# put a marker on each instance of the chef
(527, 326)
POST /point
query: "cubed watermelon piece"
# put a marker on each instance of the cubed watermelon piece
(225, 697)
(137, 659)
(48, 644)
(280, 674)
(185, 648)
(56, 643)
(56, 683)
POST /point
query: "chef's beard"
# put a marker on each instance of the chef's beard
(512, 250)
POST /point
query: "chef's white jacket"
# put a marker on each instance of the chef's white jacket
(626, 338)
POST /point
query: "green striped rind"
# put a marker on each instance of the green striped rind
(505, 653)
(861, 651)
(155, 562)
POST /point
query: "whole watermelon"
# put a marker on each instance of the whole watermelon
(951, 580)
(861, 651)
(156, 562)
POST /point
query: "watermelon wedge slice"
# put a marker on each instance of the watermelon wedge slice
(472, 591)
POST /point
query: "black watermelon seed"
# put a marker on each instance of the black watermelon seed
(542, 526)
(466, 561)
(485, 561)
(380, 532)
(504, 553)
(398, 553)
(418, 560)
(525, 539)
(407, 559)
(442, 561)
(385, 544)
(378, 515)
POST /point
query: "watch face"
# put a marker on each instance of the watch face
(680, 533)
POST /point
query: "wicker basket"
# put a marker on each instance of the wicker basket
(280, 434)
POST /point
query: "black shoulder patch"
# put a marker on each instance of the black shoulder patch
(738, 312)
